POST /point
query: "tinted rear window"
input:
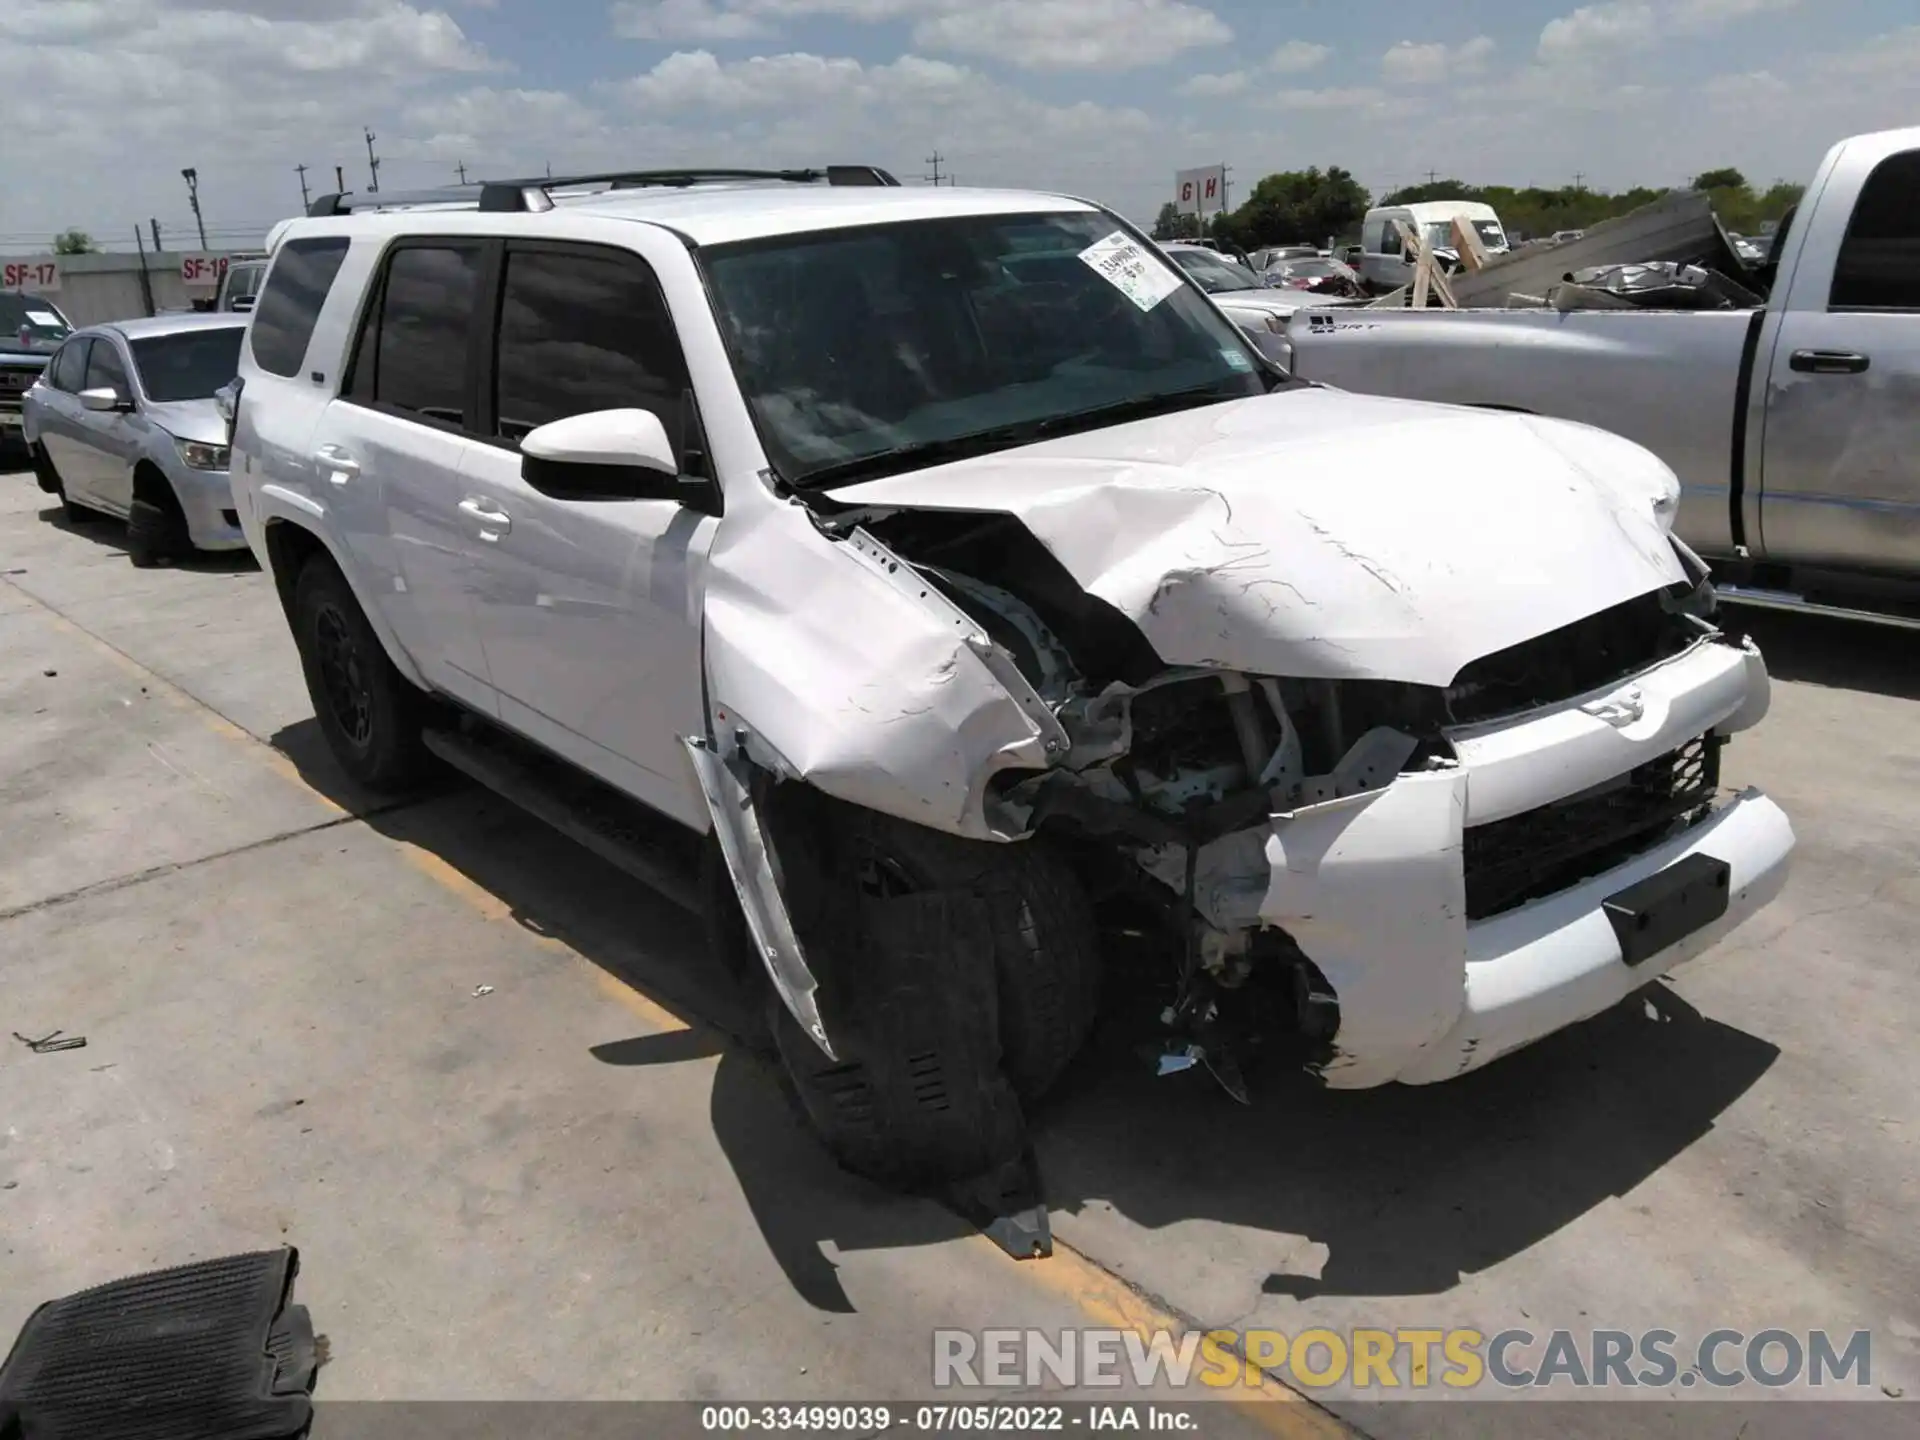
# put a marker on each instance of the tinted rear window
(297, 287)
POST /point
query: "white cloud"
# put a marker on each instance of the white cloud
(1214, 87)
(1410, 64)
(1073, 34)
(1338, 98)
(1593, 32)
(1297, 56)
(683, 20)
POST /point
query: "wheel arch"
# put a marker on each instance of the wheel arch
(290, 544)
(150, 484)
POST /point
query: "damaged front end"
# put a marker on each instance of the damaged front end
(1412, 877)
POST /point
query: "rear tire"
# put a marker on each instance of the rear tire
(958, 978)
(372, 717)
(156, 532)
(48, 475)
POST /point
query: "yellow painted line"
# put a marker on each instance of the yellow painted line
(1104, 1300)
(493, 908)
(1109, 1303)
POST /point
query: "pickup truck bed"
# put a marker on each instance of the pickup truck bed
(1794, 428)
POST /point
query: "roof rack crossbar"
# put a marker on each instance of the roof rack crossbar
(535, 192)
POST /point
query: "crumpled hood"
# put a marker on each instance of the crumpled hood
(1321, 534)
(189, 420)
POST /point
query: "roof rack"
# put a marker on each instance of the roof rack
(535, 193)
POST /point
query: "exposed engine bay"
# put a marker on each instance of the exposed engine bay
(1178, 771)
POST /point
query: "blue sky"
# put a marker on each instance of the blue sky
(105, 100)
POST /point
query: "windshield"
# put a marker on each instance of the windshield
(1440, 234)
(41, 321)
(188, 366)
(1213, 274)
(857, 349)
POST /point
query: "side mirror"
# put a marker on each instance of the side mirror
(607, 455)
(240, 303)
(104, 399)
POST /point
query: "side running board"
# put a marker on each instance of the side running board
(652, 849)
(1761, 599)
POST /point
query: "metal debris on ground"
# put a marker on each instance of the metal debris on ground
(47, 1044)
(480, 990)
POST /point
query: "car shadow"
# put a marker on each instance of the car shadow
(1408, 1189)
(1838, 653)
(110, 532)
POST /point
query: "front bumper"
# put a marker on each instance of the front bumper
(1553, 963)
(206, 499)
(1373, 886)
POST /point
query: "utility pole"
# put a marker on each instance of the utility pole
(340, 179)
(1578, 176)
(549, 169)
(305, 200)
(157, 246)
(1432, 176)
(373, 165)
(462, 169)
(192, 177)
(934, 179)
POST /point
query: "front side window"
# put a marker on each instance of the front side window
(68, 370)
(297, 285)
(104, 370)
(418, 359)
(188, 366)
(579, 333)
(1879, 265)
(882, 348)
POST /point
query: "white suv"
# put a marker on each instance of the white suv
(948, 566)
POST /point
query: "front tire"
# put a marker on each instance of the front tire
(958, 978)
(156, 532)
(369, 713)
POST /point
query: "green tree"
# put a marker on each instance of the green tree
(1296, 206)
(1170, 224)
(73, 242)
(1726, 179)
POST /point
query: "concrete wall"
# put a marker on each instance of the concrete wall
(94, 288)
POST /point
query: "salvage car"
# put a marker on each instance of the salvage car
(31, 329)
(1794, 425)
(123, 423)
(951, 574)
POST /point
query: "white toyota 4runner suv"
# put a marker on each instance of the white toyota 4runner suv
(947, 569)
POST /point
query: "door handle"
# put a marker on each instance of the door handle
(495, 520)
(1828, 362)
(339, 466)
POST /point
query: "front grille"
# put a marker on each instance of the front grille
(1591, 652)
(1524, 857)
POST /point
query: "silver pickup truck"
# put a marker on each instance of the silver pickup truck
(1794, 428)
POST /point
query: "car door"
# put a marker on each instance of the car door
(106, 440)
(392, 447)
(1840, 466)
(588, 609)
(57, 403)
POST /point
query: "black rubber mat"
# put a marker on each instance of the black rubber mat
(209, 1351)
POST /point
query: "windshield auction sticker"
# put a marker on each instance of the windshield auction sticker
(1121, 262)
